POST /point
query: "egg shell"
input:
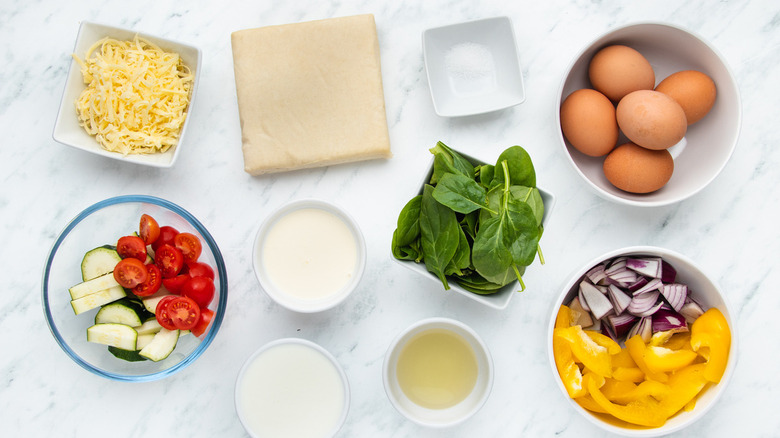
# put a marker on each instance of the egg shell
(636, 169)
(588, 122)
(651, 119)
(693, 90)
(618, 70)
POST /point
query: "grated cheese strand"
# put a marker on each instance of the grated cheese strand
(136, 98)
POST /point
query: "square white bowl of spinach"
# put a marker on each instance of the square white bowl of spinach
(474, 227)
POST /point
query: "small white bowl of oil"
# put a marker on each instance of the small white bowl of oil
(438, 372)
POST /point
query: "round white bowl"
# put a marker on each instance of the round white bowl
(307, 305)
(439, 417)
(706, 293)
(710, 142)
(290, 341)
(100, 224)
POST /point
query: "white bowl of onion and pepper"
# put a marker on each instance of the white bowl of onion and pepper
(641, 341)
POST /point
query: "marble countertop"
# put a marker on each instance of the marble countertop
(730, 228)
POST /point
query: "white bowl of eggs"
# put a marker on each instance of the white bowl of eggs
(649, 114)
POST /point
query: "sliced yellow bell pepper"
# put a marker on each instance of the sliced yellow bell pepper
(587, 402)
(664, 360)
(711, 330)
(628, 374)
(614, 389)
(684, 386)
(586, 351)
(657, 390)
(612, 347)
(636, 348)
(564, 317)
(567, 369)
(645, 411)
(623, 359)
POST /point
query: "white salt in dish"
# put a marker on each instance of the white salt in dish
(473, 67)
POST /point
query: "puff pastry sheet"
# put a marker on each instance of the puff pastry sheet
(310, 94)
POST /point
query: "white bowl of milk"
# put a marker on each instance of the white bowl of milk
(309, 255)
(292, 388)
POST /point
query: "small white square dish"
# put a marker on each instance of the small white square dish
(473, 67)
(67, 129)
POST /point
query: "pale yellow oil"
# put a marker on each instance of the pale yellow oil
(437, 369)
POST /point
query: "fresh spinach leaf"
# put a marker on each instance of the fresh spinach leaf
(460, 193)
(521, 168)
(462, 258)
(485, 175)
(439, 234)
(469, 224)
(445, 160)
(521, 231)
(408, 224)
(490, 256)
(406, 252)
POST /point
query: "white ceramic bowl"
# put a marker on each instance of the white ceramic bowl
(706, 293)
(710, 142)
(439, 417)
(66, 128)
(473, 67)
(244, 382)
(498, 300)
(288, 300)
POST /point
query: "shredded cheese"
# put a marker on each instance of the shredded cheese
(136, 97)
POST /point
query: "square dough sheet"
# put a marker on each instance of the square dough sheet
(310, 94)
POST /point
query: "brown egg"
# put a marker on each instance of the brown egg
(651, 119)
(636, 169)
(693, 90)
(588, 122)
(618, 70)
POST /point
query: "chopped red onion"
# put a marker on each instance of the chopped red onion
(652, 285)
(675, 295)
(647, 266)
(690, 311)
(620, 300)
(597, 274)
(620, 324)
(645, 304)
(638, 284)
(669, 320)
(583, 316)
(597, 302)
(668, 273)
(643, 328)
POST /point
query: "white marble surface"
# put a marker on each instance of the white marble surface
(730, 228)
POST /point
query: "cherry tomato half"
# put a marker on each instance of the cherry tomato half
(152, 283)
(148, 229)
(131, 246)
(169, 260)
(183, 312)
(189, 245)
(166, 237)
(200, 289)
(206, 315)
(160, 312)
(174, 284)
(130, 272)
(199, 269)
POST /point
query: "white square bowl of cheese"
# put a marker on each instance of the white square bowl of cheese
(67, 129)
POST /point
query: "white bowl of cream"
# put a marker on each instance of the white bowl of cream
(292, 388)
(309, 255)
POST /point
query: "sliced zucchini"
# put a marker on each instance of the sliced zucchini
(161, 346)
(128, 355)
(93, 286)
(99, 261)
(151, 302)
(116, 335)
(151, 326)
(120, 312)
(144, 340)
(91, 301)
